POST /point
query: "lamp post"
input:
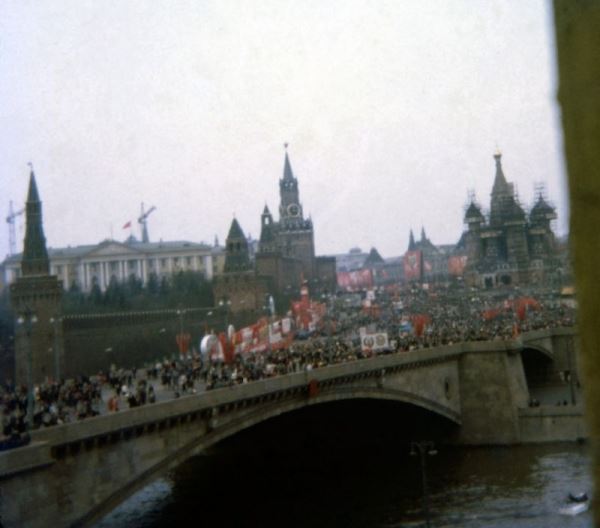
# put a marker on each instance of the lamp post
(55, 321)
(424, 448)
(180, 337)
(28, 318)
(225, 304)
(208, 314)
(180, 314)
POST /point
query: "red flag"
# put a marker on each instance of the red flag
(128, 224)
(419, 321)
(183, 342)
(227, 348)
(490, 314)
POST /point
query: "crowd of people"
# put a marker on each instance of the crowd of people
(449, 317)
(416, 319)
(52, 403)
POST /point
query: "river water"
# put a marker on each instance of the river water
(288, 476)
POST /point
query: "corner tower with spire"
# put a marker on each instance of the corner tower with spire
(35, 255)
(35, 298)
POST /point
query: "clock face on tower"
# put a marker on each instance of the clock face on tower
(293, 210)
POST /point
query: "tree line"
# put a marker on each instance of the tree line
(185, 288)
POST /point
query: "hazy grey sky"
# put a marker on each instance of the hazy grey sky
(393, 110)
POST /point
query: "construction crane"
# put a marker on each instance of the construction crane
(10, 220)
(142, 221)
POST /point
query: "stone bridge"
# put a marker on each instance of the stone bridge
(70, 475)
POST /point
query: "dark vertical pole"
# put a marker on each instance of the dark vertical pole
(30, 395)
(571, 376)
(424, 448)
(55, 322)
(424, 479)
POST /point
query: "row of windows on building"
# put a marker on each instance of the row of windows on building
(184, 263)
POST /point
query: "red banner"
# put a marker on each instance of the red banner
(227, 348)
(456, 265)
(355, 280)
(419, 322)
(490, 314)
(412, 265)
(523, 305)
(183, 342)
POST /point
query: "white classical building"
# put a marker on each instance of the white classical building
(86, 265)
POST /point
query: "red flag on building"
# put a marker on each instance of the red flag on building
(412, 265)
(456, 265)
(355, 280)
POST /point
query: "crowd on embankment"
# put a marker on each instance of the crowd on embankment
(420, 320)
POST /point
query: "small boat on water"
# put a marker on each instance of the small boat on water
(578, 497)
(574, 509)
(579, 503)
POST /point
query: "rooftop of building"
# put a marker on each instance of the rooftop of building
(129, 245)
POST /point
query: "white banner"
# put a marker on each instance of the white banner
(375, 342)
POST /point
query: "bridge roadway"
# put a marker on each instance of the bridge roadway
(72, 474)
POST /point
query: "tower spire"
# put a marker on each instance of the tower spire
(237, 256)
(500, 183)
(35, 255)
(288, 175)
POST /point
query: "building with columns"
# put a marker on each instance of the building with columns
(98, 264)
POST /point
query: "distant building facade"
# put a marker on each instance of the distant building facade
(426, 262)
(361, 271)
(109, 260)
(510, 247)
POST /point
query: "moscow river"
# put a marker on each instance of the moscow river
(324, 471)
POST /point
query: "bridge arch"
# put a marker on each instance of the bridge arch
(535, 347)
(538, 365)
(235, 423)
